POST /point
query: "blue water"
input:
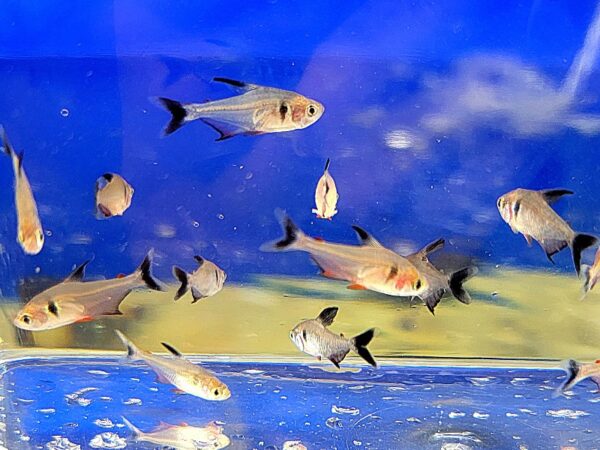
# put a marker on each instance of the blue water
(388, 408)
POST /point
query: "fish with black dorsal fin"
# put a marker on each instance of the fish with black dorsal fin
(529, 213)
(326, 196)
(314, 338)
(178, 371)
(30, 234)
(207, 280)
(74, 300)
(438, 282)
(368, 266)
(113, 196)
(182, 436)
(257, 110)
(577, 372)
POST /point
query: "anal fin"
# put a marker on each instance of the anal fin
(356, 287)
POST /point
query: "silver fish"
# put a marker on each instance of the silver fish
(326, 196)
(29, 228)
(368, 266)
(529, 213)
(205, 281)
(178, 371)
(314, 338)
(113, 195)
(438, 282)
(258, 110)
(577, 372)
(76, 301)
(591, 274)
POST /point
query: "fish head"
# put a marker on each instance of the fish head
(306, 111)
(31, 239)
(46, 312)
(298, 337)
(509, 205)
(411, 281)
(209, 389)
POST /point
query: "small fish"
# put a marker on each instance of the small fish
(178, 371)
(529, 213)
(205, 281)
(183, 436)
(577, 372)
(368, 266)
(294, 445)
(74, 300)
(314, 338)
(113, 195)
(439, 283)
(29, 228)
(591, 274)
(258, 110)
(326, 196)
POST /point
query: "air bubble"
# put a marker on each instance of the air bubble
(64, 112)
(220, 216)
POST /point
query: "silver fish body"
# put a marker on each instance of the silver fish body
(30, 234)
(314, 338)
(74, 300)
(326, 196)
(577, 372)
(258, 110)
(181, 373)
(113, 195)
(529, 213)
(207, 280)
(591, 274)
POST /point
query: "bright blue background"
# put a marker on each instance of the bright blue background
(377, 66)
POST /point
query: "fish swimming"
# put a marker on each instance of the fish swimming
(205, 281)
(258, 110)
(438, 282)
(577, 372)
(29, 228)
(113, 195)
(591, 274)
(314, 338)
(529, 213)
(326, 195)
(74, 300)
(183, 436)
(368, 266)
(178, 371)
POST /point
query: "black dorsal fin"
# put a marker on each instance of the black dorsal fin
(327, 315)
(171, 349)
(365, 237)
(552, 195)
(236, 84)
(200, 260)
(78, 273)
(432, 247)
(327, 165)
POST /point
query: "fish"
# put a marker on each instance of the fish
(577, 372)
(113, 196)
(314, 338)
(529, 213)
(182, 436)
(591, 274)
(438, 282)
(369, 266)
(205, 281)
(74, 300)
(30, 234)
(258, 110)
(326, 196)
(178, 371)
(294, 445)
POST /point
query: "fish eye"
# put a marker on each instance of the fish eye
(216, 392)
(40, 236)
(499, 202)
(311, 110)
(26, 318)
(291, 335)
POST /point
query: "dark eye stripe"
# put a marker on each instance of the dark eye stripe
(392, 274)
(52, 308)
(516, 207)
(283, 109)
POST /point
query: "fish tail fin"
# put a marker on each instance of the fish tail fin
(572, 368)
(587, 285)
(135, 430)
(457, 279)
(360, 343)
(9, 150)
(291, 238)
(580, 242)
(178, 114)
(133, 352)
(145, 271)
(182, 276)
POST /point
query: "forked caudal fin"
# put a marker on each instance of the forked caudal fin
(132, 351)
(360, 343)
(572, 368)
(178, 113)
(145, 271)
(457, 279)
(580, 242)
(182, 276)
(292, 234)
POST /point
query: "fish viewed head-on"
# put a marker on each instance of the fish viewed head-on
(299, 336)
(306, 111)
(31, 238)
(509, 205)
